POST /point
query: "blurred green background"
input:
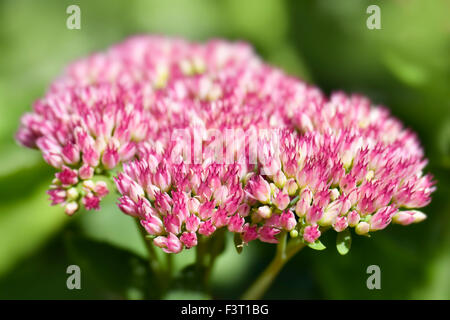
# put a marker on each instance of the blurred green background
(404, 66)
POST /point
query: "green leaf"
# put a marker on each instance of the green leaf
(190, 278)
(27, 225)
(225, 274)
(119, 273)
(50, 264)
(238, 244)
(117, 228)
(37, 176)
(216, 244)
(317, 245)
(344, 242)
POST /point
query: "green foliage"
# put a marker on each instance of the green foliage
(118, 272)
(317, 245)
(26, 225)
(238, 243)
(344, 242)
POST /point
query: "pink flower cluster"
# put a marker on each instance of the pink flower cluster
(335, 162)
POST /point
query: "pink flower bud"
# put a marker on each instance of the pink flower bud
(330, 213)
(49, 145)
(382, 218)
(322, 198)
(144, 208)
(273, 221)
(153, 225)
(127, 206)
(243, 210)
(192, 222)
(280, 179)
(267, 234)
(162, 178)
(127, 151)
(346, 205)
(249, 233)
(193, 205)
(314, 214)
(53, 159)
(71, 153)
(220, 195)
(353, 218)
(101, 189)
(353, 196)
(281, 201)
(340, 224)
(235, 223)
(259, 189)
(135, 191)
(311, 233)
(26, 137)
(206, 210)
(163, 202)
(123, 183)
(189, 239)
(91, 157)
(172, 223)
(220, 218)
(110, 157)
(86, 172)
(403, 217)
(291, 187)
(82, 138)
(91, 202)
(160, 242)
(180, 209)
(57, 196)
(67, 176)
(206, 228)
(169, 244)
(288, 221)
(304, 202)
(152, 191)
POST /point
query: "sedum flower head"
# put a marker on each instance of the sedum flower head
(207, 136)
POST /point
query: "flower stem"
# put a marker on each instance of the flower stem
(285, 251)
(200, 253)
(169, 260)
(153, 259)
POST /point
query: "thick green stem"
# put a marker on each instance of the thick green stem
(216, 246)
(200, 253)
(202, 263)
(153, 260)
(209, 270)
(285, 251)
(169, 259)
